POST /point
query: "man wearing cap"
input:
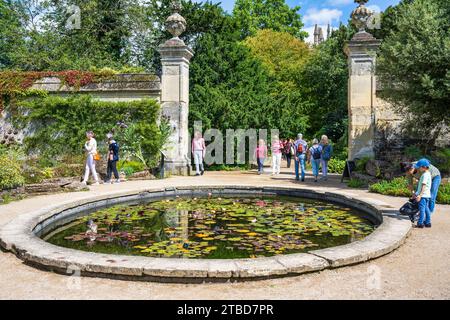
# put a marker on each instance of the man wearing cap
(413, 173)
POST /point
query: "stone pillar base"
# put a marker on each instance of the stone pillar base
(177, 168)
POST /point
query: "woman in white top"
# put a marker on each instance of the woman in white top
(198, 150)
(91, 149)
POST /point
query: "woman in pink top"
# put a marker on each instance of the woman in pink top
(199, 151)
(277, 146)
(261, 155)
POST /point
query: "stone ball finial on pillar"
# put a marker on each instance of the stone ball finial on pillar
(361, 15)
(175, 23)
(175, 61)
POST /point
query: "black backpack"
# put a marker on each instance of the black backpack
(315, 152)
(410, 209)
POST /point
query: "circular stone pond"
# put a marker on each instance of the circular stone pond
(196, 233)
(215, 228)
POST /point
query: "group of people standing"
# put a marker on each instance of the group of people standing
(318, 155)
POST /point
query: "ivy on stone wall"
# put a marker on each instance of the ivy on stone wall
(59, 124)
(14, 84)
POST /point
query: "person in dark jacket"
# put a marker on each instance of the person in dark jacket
(113, 157)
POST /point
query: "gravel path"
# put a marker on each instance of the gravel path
(420, 269)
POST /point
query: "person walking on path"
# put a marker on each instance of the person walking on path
(289, 151)
(90, 148)
(261, 155)
(423, 194)
(327, 152)
(314, 157)
(199, 152)
(276, 149)
(301, 148)
(412, 174)
(113, 157)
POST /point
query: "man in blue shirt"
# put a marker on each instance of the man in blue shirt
(301, 148)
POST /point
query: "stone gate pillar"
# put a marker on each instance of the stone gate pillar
(361, 51)
(175, 60)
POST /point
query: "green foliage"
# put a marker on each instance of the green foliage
(324, 85)
(441, 159)
(231, 89)
(129, 167)
(397, 187)
(10, 173)
(444, 194)
(361, 164)
(254, 15)
(356, 183)
(414, 66)
(336, 166)
(64, 121)
(280, 52)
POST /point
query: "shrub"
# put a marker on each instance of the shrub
(130, 167)
(444, 194)
(61, 123)
(10, 173)
(356, 183)
(336, 166)
(397, 187)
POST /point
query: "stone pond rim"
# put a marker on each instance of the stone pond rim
(21, 237)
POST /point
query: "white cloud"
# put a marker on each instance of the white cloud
(322, 16)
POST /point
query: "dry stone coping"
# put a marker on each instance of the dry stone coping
(21, 236)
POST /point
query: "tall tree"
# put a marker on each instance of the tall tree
(12, 33)
(414, 67)
(323, 81)
(231, 89)
(253, 15)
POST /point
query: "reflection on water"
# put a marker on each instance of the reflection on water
(214, 228)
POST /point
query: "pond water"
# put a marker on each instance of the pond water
(214, 228)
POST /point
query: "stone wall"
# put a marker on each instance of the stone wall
(123, 87)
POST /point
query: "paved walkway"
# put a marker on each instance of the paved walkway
(420, 269)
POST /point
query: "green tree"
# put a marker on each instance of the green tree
(282, 53)
(254, 15)
(12, 33)
(324, 84)
(414, 67)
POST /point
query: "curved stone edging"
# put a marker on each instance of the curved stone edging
(19, 236)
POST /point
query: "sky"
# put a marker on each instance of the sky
(322, 12)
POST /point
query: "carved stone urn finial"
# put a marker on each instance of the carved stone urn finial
(361, 15)
(175, 23)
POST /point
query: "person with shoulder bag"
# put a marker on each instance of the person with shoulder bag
(90, 148)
